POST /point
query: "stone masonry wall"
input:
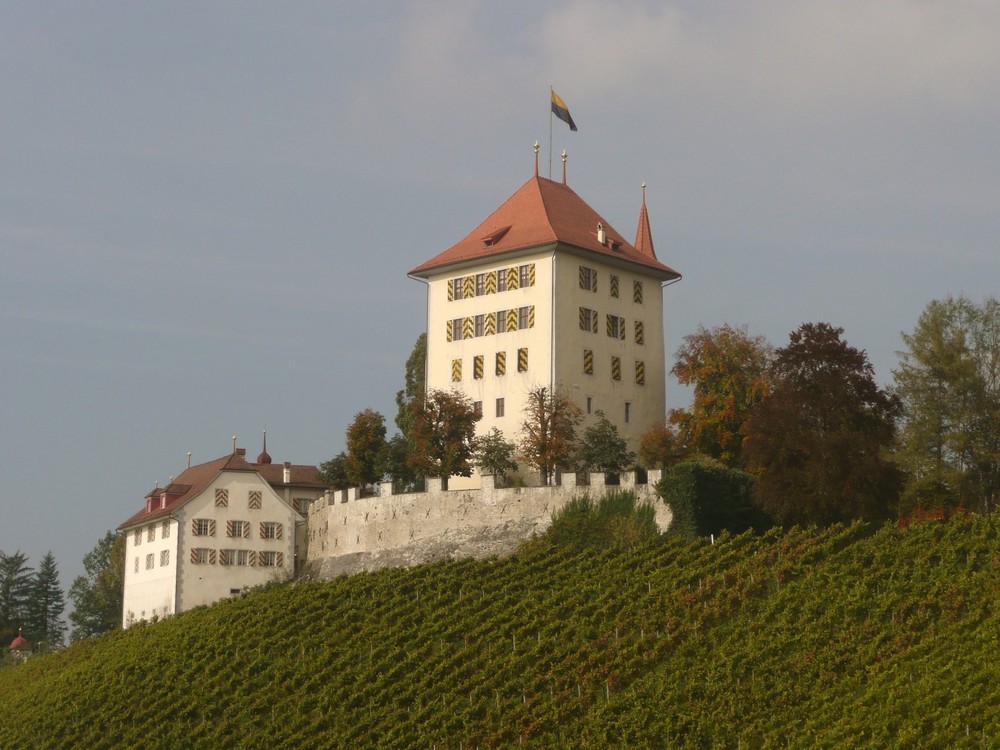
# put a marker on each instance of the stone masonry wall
(349, 534)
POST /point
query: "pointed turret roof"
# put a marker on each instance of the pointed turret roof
(643, 234)
(541, 213)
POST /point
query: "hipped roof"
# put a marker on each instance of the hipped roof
(541, 213)
(192, 482)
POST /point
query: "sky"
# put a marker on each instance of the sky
(208, 210)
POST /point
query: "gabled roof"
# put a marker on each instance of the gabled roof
(192, 482)
(540, 213)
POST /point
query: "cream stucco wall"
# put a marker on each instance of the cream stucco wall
(150, 592)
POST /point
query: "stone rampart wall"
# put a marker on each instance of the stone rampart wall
(348, 533)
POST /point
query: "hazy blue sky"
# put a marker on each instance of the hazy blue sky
(208, 209)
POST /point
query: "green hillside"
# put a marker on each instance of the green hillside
(835, 638)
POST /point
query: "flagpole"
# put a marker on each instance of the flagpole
(551, 90)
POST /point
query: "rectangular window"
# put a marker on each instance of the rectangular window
(270, 530)
(200, 555)
(456, 371)
(221, 498)
(590, 404)
(588, 278)
(637, 292)
(238, 529)
(616, 368)
(137, 537)
(477, 367)
(500, 407)
(628, 412)
(302, 505)
(151, 533)
(455, 334)
(456, 288)
(616, 327)
(165, 530)
(588, 319)
(527, 275)
(502, 280)
(480, 284)
(480, 325)
(526, 317)
(477, 409)
(150, 561)
(588, 361)
(164, 557)
(254, 500)
(203, 527)
(137, 564)
(640, 333)
(640, 372)
(269, 559)
(501, 364)
(522, 359)
(614, 285)
(233, 557)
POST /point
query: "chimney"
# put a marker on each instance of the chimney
(286, 473)
(601, 237)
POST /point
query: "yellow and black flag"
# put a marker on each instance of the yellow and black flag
(560, 110)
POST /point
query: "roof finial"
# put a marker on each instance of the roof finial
(234, 444)
(643, 234)
(189, 459)
(564, 165)
(536, 158)
(644, 192)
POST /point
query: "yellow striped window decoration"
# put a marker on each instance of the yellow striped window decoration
(456, 371)
(501, 363)
(640, 334)
(640, 372)
(522, 359)
(477, 367)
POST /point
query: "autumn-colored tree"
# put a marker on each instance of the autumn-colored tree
(816, 442)
(442, 431)
(548, 431)
(495, 455)
(728, 369)
(661, 447)
(603, 449)
(949, 382)
(366, 449)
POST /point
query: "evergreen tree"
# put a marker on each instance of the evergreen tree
(15, 592)
(97, 595)
(44, 623)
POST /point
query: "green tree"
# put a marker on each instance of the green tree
(603, 449)
(548, 431)
(97, 595)
(366, 449)
(495, 455)
(334, 472)
(442, 434)
(816, 442)
(949, 382)
(15, 593)
(404, 478)
(729, 371)
(414, 384)
(46, 604)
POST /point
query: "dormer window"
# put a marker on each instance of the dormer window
(493, 238)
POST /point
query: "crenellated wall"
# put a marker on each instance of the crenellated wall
(350, 534)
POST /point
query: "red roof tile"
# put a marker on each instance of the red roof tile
(192, 482)
(543, 212)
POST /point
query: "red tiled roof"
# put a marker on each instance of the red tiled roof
(192, 482)
(540, 213)
(643, 234)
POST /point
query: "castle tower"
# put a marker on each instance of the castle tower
(545, 292)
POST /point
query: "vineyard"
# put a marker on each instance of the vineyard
(844, 637)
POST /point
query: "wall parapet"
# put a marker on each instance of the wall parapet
(349, 532)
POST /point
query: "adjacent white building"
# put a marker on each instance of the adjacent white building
(216, 529)
(545, 292)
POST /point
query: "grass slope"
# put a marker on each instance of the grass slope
(808, 638)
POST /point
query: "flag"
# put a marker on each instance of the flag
(560, 110)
